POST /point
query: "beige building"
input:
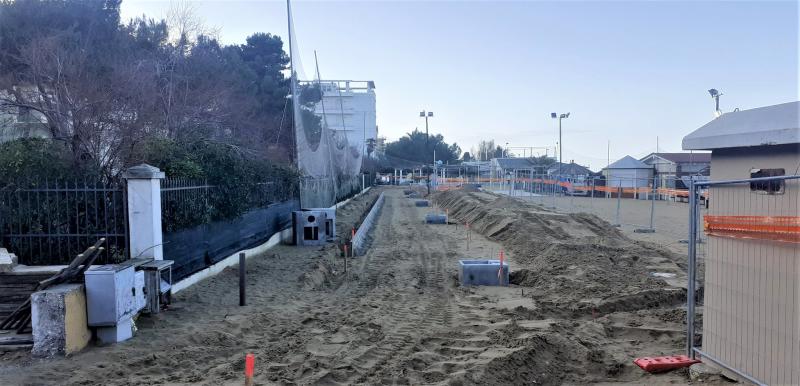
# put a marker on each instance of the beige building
(751, 310)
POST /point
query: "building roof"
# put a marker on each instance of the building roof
(514, 163)
(770, 125)
(629, 162)
(680, 158)
(570, 169)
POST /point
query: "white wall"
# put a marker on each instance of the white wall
(628, 178)
(353, 112)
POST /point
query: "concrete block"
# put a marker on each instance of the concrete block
(701, 372)
(58, 318)
(121, 332)
(482, 272)
(436, 218)
(358, 242)
(422, 203)
(7, 261)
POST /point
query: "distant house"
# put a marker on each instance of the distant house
(628, 172)
(751, 317)
(571, 169)
(16, 123)
(507, 167)
(578, 176)
(671, 168)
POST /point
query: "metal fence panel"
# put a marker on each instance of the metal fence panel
(751, 316)
(50, 222)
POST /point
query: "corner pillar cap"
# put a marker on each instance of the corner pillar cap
(143, 171)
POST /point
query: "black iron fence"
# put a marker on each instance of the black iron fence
(50, 222)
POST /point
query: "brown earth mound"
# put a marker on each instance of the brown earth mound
(572, 261)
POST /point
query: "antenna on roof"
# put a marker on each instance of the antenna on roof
(716, 94)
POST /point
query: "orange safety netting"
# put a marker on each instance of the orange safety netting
(778, 228)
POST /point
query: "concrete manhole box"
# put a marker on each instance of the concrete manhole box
(436, 218)
(482, 272)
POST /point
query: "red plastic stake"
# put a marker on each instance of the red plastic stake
(659, 364)
(249, 368)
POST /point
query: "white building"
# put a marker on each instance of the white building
(349, 108)
(628, 172)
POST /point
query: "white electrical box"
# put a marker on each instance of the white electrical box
(114, 293)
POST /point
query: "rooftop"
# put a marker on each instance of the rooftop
(680, 158)
(629, 162)
(514, 163)
(770, 125)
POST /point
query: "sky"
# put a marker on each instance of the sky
(630, 73)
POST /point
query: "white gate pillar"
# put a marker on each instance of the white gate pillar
(144, 211)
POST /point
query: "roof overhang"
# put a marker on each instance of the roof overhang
(764, 126)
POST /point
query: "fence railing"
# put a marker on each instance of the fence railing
(50, 222)
(751, 281)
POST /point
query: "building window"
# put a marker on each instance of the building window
(767, 187)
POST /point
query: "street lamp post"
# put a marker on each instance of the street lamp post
(426, 115)
(560, 144)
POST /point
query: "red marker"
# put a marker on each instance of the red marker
(249, 368)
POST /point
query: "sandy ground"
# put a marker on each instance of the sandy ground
(583, 307)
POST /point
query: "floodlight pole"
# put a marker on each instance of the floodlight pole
(560, 144)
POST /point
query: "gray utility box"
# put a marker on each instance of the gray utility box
(482, 272)
(329, 225)
(114, 293)
(309, 227)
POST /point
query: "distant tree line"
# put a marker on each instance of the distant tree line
(418, 147)
(112, 94)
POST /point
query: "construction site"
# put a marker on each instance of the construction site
(581, 304)
(181, 206)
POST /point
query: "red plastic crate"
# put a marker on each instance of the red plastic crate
(658, 364)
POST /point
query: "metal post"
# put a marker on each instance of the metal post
(653, 204)
(690, 287)
(619, 202)
(571, 196)
(242, 278)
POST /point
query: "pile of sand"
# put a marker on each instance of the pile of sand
(571, 261)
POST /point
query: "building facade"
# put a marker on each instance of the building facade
(672, 169)
(628, 172)
(349, 107)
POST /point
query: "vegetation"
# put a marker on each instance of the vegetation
(418, 147)
(107, 90)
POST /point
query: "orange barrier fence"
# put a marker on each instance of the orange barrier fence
(672, 192)
(779, 228)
